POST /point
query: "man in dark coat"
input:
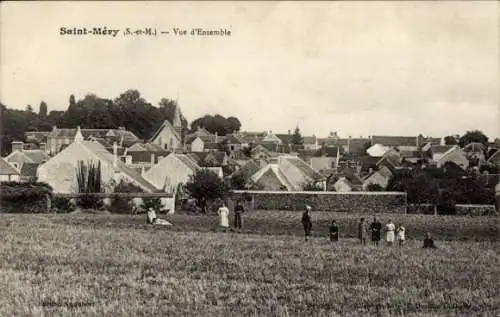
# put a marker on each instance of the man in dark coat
(334, 231)
(238, 210)
(376, 229)
(306, 221)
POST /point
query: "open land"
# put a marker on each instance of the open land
(116, 265)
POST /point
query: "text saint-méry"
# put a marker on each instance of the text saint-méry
(88, 31)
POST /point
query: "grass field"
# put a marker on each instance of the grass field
(111, 265)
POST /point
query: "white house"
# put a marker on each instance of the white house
(171, 171)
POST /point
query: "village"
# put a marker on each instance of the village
(264, 161)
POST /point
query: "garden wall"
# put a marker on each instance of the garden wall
(364, 202)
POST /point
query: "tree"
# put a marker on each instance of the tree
(238, 181)
(122, 204)
(473, 136)
(450, 140)
(312, 186)
(29, 109)
(297, 140)
(206, 186)
(88, 178)
(42, 113)
(216, 124)
(374, 188)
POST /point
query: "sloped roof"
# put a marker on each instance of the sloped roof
(6, 168)
(328, 151)
(36, 156)
(105, 155)
(304, 167)
(285, 138)
(188, 162)
(197, 157)
(272, 170)
(357, 145)
(29, 169)
(232, 139)
(136, 147)
(145, 156)
(388, 140)
(97, 133)
(166, 125)
(102, 141)
(309, 139)
(474, 147)
(368, 162)
(440, 149)
(494, 157)
(249, 168)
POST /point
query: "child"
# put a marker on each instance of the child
(401, 234)
(334, 232)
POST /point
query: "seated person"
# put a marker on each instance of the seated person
(429, 242)
(152, 219)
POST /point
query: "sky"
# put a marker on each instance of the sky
(358, 68)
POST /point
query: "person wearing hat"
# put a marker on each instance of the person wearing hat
(306, 222)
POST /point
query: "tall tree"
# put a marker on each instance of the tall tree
(206, 186)
(29, 109)
(473, 136)
(450, 140)
(297, 140)
(42, 112)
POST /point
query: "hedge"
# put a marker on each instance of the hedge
(30, 197)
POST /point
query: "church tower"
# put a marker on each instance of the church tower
(177, 124)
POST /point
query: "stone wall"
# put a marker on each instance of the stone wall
(325, 201)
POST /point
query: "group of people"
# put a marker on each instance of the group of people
(224, 215)
(392, 232)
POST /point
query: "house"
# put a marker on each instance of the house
(251, 137)
(234, 145)
(311, 142)
(394, 141)
(58, 138)
(201, 143)
(174, 169)
(356, 146)
(434, 152)
(36, 136)
(8, 173)
(60, 170)
(455, 155)
(377, 150)
(475, 150)
(168, 137)
(26, 161)
(143, 156)
(261, 152)
(391, 160)
(287, 173)
(344, 185)
(367, 164)
(200, 131)
(380, 177)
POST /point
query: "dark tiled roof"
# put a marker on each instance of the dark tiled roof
(29, 169)
(439, 149)
(233, 139)
(36, 156)
(188, 162)
(328, 151)
(145, 156)
(357, 145)
(394, 140)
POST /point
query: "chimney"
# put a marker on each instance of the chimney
(152, 159)
(78, 135)
(54, 128)
(17, 146)
(115, 155)
(43, 147)
(349, 145)
(216, 137)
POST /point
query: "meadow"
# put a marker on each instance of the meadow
(116, 265)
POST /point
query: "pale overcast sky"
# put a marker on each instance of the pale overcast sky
(360, 68)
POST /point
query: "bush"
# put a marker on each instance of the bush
(123, 204)
(61, 204)
(21, 197)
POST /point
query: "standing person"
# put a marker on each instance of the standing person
(306, 222)
(334, 231)
(400, 232)
(224, 216)
(238, 210)
(362, 231)
(429, 242)
(376, 228)
(389, 232)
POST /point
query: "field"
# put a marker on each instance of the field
(111, 265)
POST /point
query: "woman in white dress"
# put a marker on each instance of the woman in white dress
(153, 220)
(224, 216)
(389, 232)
